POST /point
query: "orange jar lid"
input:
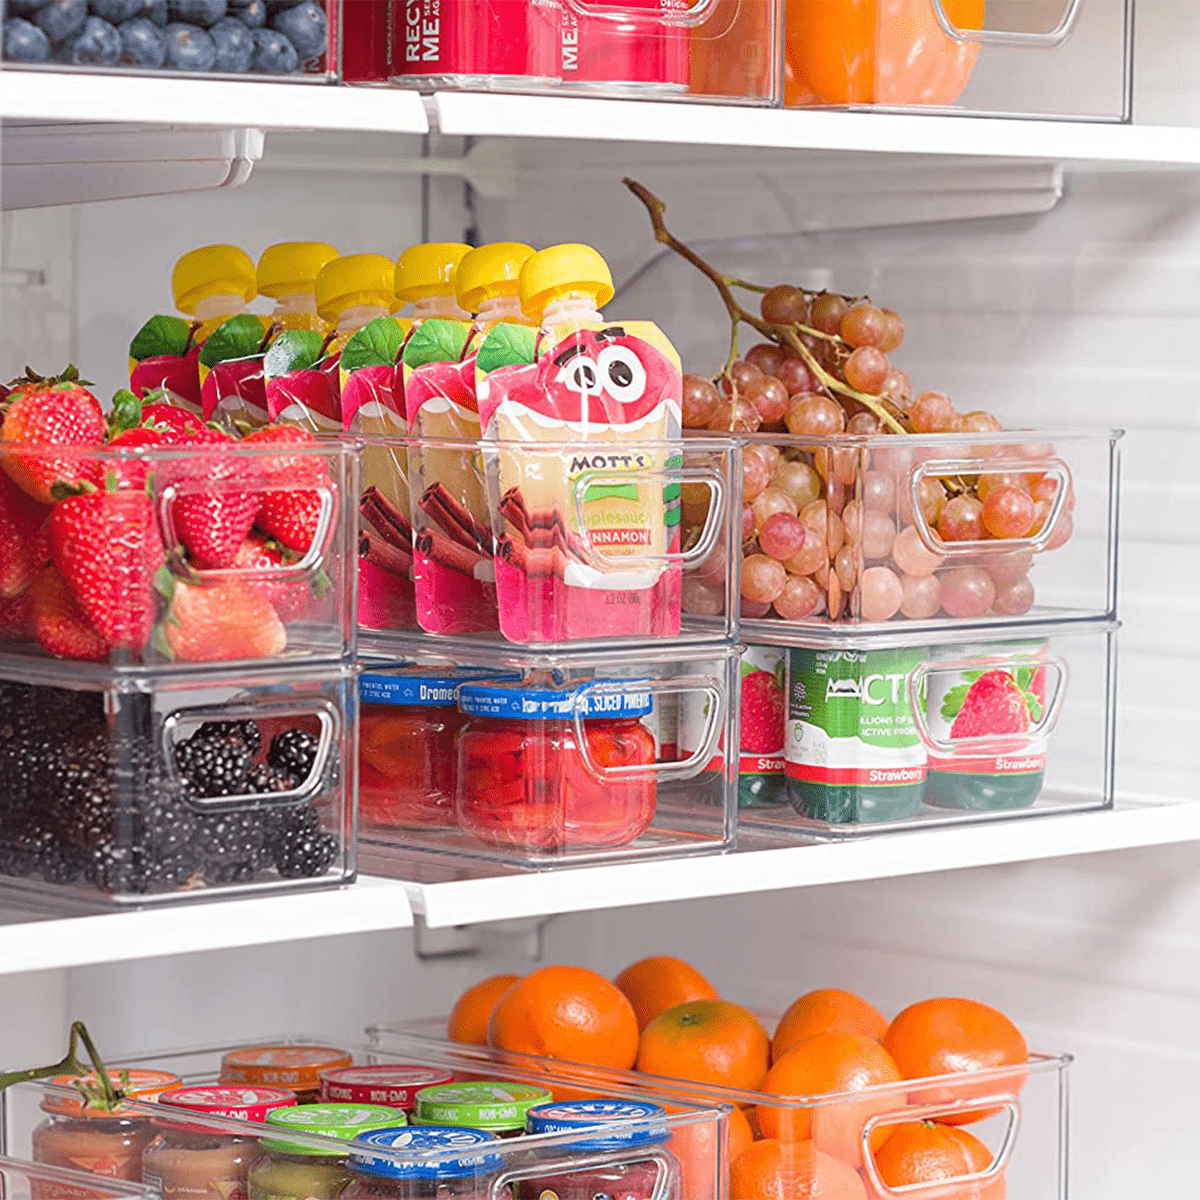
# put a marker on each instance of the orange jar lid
(295, 1067)
(137, 1085)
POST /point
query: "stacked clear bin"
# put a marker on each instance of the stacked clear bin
(1019, 1113)
(556, 574)
(676, 1153)
(105, 687)
(1067, 59)
(901, 678)
(21, 1179)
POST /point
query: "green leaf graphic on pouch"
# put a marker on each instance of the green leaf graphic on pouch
(376, 344)
(239, 337)
(506, 346)
(294, 350)
(435, 340)
(160, 335)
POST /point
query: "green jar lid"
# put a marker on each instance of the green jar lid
(345, 1121)
(489, 1105)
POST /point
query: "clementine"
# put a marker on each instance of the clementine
(827, 1010)
(832, 1063)
(948, 1035)
(706, 1041)
(473, 1009)
(774, 1170)
(701, 1169)
(569, 1013)
(655, 984)
(924, 1152)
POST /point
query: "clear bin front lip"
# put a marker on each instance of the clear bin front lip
(878, 441)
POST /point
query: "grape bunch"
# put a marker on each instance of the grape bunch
(829, 527)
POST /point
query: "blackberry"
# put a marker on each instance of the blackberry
(264, 781)
(214, 767)
(228, 840)
(301, 847)
(24, 853)
(294, 752)
(79, 789)
(246, 731)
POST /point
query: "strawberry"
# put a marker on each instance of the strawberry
(291, 514)
(993, 704)
(106, 546)
(16, 619)
(59, 624)
(20, 522)
(225, 621)
(131, 471)
(762, 713)
(218, 499)
(289, 597)
(50, 412)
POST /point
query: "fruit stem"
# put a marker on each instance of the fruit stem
(70, 1065)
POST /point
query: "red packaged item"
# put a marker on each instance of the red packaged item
(629, 45)
(546, 766)
(392, 1085)
(219, 1100)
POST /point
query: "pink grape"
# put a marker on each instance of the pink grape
(782, 535)
(912, 556)
(845, 565)
(795, 376)
(755, 477)
(833, 594)
(1007, 569)
(828, 312)
(922, 596)
(881, 594)
(852, 518)
(700, 401)
(769, 397)
(815, 416)
(811, 557)
(748, 523)
(896, 387)
(961, 520)
(762, 578)
(1061, 533)
(1013, 479)
(967, 592)
(878, 534)
(752, 610)
(772, 500)
(740, 374)
(839, 465)
(784, 305)
(766, 356)
(699, 598)
(893, 335)
(894, 459)
(827, 525)
(864, 325)
(1014, 599)
(799, 480)
(866, 369)
(932, 412)
(770, 454)
(1008, 512)
(879, 491)
(932, 498)
(799, 599)
(979, 421)
(864, 424)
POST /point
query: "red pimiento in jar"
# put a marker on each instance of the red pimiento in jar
(408, 722)
(526, 779)
(635, 1154)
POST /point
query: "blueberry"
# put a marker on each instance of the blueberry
(273, 53)
(115, 11)
(61, 19)
(196, 12)
(305, 27)
(20, 8)
(251, 13)
(99, 45)
(142, 43)
(189, 48)
(155, 11)
(234, 43)
(25, 42)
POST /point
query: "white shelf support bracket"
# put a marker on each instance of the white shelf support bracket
(518, 938)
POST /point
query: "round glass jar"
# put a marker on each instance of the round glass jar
(455, 1165)
(395, 1085)
(495, 1107)
(633, 1178)
(297, 1068)
(291, 1170)
(106, 1142)
(524, 780)
(190, 1159)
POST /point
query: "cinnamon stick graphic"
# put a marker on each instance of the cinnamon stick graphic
(386, 518)
(536, 564)
(384, 555)
(449, 554)
(455, 519)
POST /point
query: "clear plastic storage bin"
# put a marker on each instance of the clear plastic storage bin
(1019, 1113)
(21, 1179)
(248, 40)
(547, 760)
(890, 530)
(174, 556)
(884, 735)
(1021, 58)
(583, 544)
(726, 50)
(152, 787)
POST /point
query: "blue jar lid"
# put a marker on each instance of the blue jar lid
(428, 687)
(542, 702)
(560, 1117)
(462, 1154)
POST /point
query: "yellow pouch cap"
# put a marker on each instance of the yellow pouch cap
(428, 270)
(352, 280)
(561, 270)
(290, 267)
(212, 271)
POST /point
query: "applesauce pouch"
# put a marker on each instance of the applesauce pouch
(301, 373)
(164, 354)
(233, 387)
(586, 528)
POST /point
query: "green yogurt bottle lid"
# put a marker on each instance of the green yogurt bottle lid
(344, 1121)
(488, 1105)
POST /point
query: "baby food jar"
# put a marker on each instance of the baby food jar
(494, 1107)
(453, 1164)
(193, 1159)
(395, 1086)
(297, 1068)
(106, 1142)
(527, 779)
(632, 1178)
(290, 1170)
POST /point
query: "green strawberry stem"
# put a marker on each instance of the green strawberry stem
(103, 1095)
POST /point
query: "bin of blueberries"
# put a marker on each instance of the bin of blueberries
(292, 39)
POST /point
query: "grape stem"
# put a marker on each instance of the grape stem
(787, 335)
(107, 1097)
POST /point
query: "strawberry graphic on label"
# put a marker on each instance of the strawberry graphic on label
(762, 710)
(995, 703)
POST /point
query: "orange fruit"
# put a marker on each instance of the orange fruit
(706, 1041)
(924, 1152)
(827, 1010)
(946, 1036)
(569, 1013)
(655, 984)
(773, 1170)
(473, 1009)
(695, 1146)
(828, 1063)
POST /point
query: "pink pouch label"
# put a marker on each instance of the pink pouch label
(301, 370)
(233, 388)
(164, 354)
